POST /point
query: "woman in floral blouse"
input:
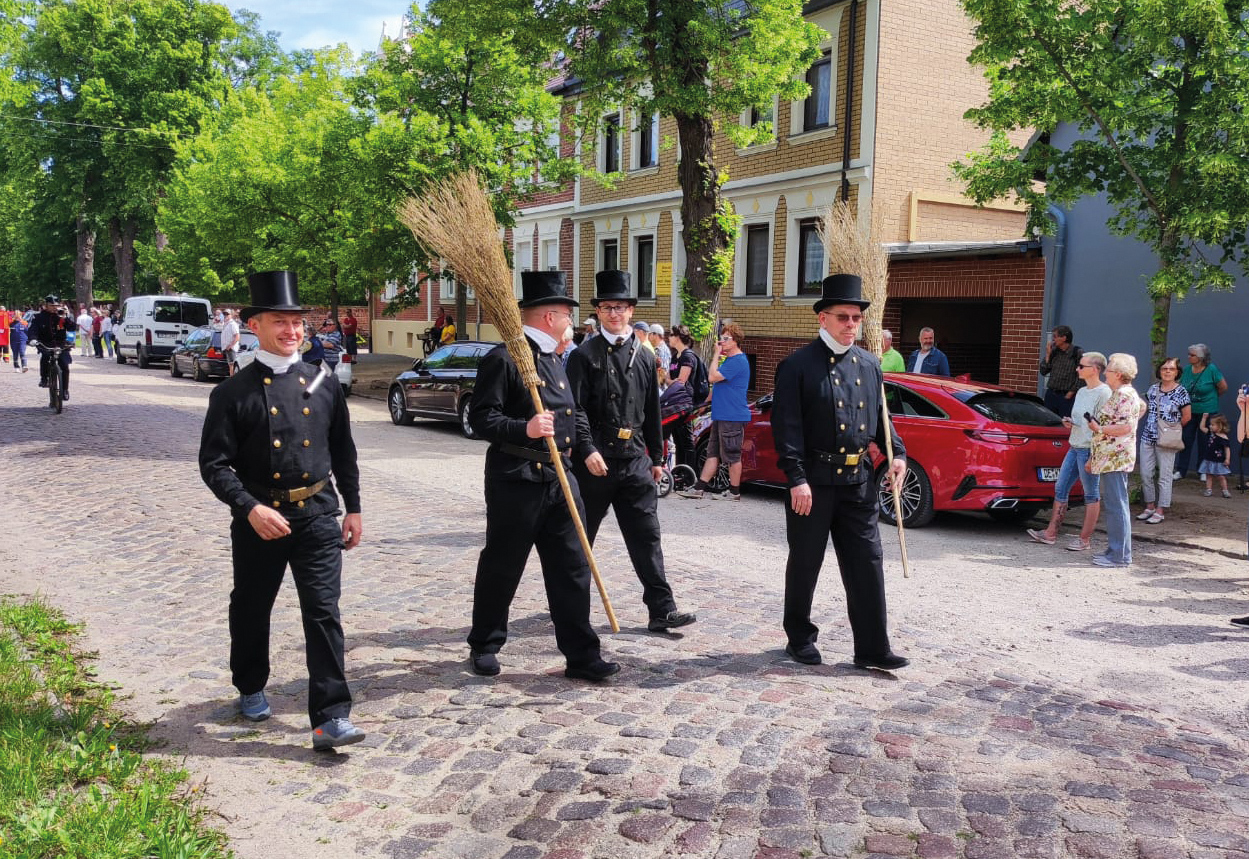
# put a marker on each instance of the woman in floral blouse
(1113, 456)
(1167, 401)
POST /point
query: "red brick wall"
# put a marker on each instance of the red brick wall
(1017, 280)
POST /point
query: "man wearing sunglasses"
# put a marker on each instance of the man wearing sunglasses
(826, 410)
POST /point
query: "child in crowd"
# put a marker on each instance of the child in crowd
(1216, 459)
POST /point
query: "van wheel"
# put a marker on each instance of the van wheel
(141, 358)
(121, 359)
(200, 374)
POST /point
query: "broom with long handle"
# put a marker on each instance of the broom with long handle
(455, 220)
(894, 484)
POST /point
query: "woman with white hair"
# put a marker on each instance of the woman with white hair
(1113, 456)
(1205, 384)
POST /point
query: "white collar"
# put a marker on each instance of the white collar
(546, 343)
(612, 338)
(831, 343)
(277, 363)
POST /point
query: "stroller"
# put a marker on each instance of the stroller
(676, 408)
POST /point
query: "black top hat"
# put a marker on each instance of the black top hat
(272, 290)
(612, 285)
(544, 287)
(841, 289)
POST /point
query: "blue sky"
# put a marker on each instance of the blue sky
(317, 23)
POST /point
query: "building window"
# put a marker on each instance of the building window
(648, 141)
(611, 143)
(644, 262)
(391, 292)
(815, 110)
(523, 261)
(448, 285)
(757, 253)
(550, 255)
(810, 258)
(761, 115)
(609, 255)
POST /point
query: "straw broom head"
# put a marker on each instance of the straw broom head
(852, 249)
(454, 219)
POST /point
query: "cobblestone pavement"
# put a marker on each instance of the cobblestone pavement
(1053, 708)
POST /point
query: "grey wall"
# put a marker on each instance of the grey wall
(1102, 296)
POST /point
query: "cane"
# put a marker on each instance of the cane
(454, 218)
(893, 484)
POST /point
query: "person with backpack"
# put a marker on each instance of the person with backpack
(686, 367)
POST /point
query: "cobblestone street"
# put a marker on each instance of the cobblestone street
(1052, 708)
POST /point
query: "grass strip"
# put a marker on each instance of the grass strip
(73, 778)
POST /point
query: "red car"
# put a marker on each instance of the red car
(969, 446)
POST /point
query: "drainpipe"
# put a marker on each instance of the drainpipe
(1055, 282)
(845, 137)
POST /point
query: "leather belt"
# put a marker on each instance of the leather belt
(529, 453)
(620, 433)
(288, 496)
(839, 458)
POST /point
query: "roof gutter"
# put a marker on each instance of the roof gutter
(1055, 282)
(845, 134)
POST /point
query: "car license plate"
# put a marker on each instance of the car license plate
(166, 333)
(1048, 475)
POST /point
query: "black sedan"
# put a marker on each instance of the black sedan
(200, 353)
(440, 386)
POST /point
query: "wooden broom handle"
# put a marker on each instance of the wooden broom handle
(893, 484)
(558, 462)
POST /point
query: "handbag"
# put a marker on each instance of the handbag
(1170, 435)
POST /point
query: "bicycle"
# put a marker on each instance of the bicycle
(429, 341)
(56, 381)
(674, 476)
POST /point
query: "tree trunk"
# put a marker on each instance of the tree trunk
(708, 245)
(162, 242)
(334, 291)
(84, 263)
(122, 235)
(1158, 330)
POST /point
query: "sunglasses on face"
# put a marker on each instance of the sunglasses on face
(848, 317)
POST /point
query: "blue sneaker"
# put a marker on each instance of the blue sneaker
(255, 707)
(335, 733)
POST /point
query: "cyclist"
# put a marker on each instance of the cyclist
(51, 327)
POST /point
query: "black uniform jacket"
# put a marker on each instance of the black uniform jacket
(50, 329)
(831, 407)
(260, 433)
(502, 406)
(617, 395)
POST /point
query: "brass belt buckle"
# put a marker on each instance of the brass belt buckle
(852, 459)
(624, 433)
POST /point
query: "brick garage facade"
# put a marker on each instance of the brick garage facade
(1015, 283)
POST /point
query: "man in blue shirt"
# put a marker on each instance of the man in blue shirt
(729, 413)
(928, 358)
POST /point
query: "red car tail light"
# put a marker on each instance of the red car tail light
(213, 352)
(998, 437)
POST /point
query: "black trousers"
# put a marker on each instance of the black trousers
(1056, 401)
(519, 516)
(45, 361)
(313, 550)
(629, 489)
(848, 515)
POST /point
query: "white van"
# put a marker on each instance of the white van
(152, 325)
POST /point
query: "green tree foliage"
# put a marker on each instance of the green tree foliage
(295, 178)
(478, 72)
(1158, 90)
(702, 62)
(108, 89)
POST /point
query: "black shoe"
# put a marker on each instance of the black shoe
(597, 671)
(807, 654)
(888, 662)
(43, 383)
(1241, 621)
(485, 664)
(65, 396)
(671, 620)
